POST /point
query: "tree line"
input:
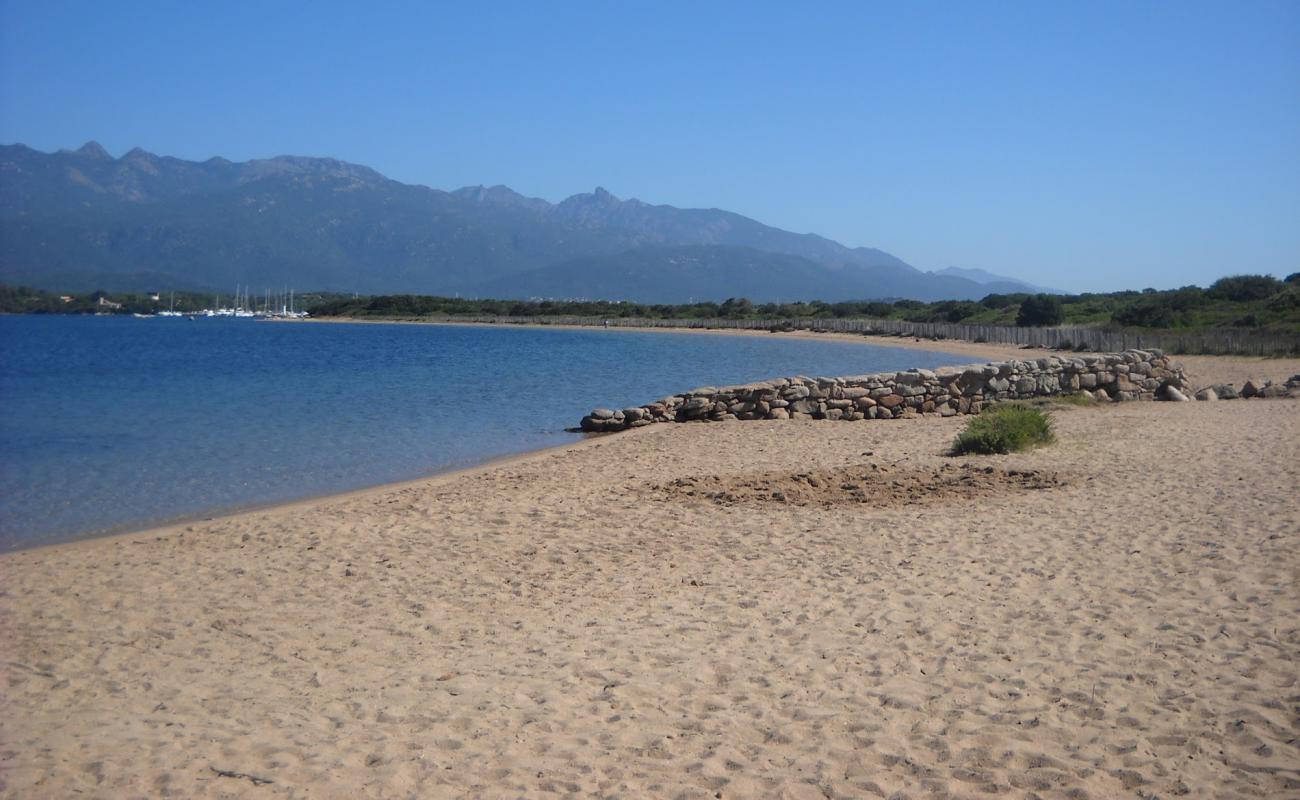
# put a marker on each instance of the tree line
(1254, 301)
(1240, 301)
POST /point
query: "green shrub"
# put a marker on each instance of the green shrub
(1002, 300)
(1005, 429)
(1040, 310)
(1155, 312)
(1055, 401)
(1244, 288)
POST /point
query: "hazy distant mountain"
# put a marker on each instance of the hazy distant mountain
(82, 219)
(685, 273)
(999, 284)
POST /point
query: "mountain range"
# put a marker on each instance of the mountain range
(82, 219)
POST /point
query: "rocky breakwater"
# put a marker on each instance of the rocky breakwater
(1131, 375)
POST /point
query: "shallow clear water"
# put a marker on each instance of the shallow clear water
(110, 423)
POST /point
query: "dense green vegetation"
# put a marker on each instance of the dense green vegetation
(1006, 428)
(1247, 301)
(1244, 301)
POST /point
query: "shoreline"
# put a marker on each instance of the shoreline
(188, 520)
(316, 500)
(170, 526)
(1224, 369)
(991, 351)
(1203, 369)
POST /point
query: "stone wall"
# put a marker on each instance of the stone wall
(1131, 375)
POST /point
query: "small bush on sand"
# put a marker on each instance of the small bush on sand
(1005, 429)
(1073, 399)
(1048, 401)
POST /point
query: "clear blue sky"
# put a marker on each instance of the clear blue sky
(1091, 145)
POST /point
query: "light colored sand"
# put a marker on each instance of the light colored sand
(976, 351)
(556, 624)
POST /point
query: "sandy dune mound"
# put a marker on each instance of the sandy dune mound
(871, 484)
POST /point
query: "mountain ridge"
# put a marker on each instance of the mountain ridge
(983, 276)
(327, 224)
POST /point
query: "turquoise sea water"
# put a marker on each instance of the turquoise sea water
(110, 423)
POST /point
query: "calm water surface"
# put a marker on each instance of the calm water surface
(111, 423)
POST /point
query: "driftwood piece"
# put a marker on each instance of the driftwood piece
(226, 773)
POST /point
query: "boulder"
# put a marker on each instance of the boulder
(1173, 394)
(778, 413)
(1101, 395)
(1253, 387)
(1207, 394)
(591, 424)
(695, 407)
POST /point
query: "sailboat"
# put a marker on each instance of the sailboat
(171, 309)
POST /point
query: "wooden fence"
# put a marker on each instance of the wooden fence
(1105, 340)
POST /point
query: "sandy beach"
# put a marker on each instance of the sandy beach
(757, 609)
